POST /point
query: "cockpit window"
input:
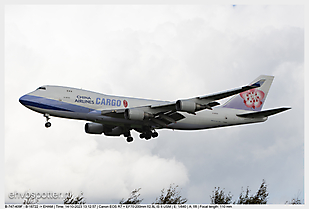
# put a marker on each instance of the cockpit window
(43, 88)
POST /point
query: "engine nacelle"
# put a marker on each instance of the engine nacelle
(117, 131)
(97, 128)
(94, 128)
(188, 106)
(135, 114)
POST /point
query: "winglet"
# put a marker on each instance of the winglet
(259, 83)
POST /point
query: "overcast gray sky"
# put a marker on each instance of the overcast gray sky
(158, 52)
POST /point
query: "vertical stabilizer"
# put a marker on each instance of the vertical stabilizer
(252, 99)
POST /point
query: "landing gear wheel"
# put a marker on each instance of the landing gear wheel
(47, 124)
(154, 134)
(147, 132)
(130, 139)
(148, 136)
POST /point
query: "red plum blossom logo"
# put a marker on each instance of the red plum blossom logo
(125, 103)
(253, 98)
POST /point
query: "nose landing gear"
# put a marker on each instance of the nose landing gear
(47, 124)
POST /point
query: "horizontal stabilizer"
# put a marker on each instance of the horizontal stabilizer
(264, 113)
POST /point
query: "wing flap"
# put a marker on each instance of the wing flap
(264, 113)
(165, 119)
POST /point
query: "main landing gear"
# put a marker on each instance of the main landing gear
(147, 135)
(129, 137)
(144, 135)
(47, 124)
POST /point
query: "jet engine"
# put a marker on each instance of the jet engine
(94, 128)
(188, 106)
(117, 131)
(135, 114)
(97, 128)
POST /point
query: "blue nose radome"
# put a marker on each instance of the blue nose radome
(22, 100)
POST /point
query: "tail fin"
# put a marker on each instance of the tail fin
(252, 99)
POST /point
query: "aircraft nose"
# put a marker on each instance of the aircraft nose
(22, 100)
(25, 100)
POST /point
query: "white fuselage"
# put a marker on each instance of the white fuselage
(81, 104)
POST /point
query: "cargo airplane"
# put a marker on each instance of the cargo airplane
(116, 116)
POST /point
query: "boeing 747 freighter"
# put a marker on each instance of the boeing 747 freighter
(116, 116)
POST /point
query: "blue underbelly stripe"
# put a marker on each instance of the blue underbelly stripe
(43, 106)
(50, 104)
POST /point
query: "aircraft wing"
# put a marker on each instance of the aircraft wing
(207, 101)
(158, 117)
(165, 113)
(224, 94)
